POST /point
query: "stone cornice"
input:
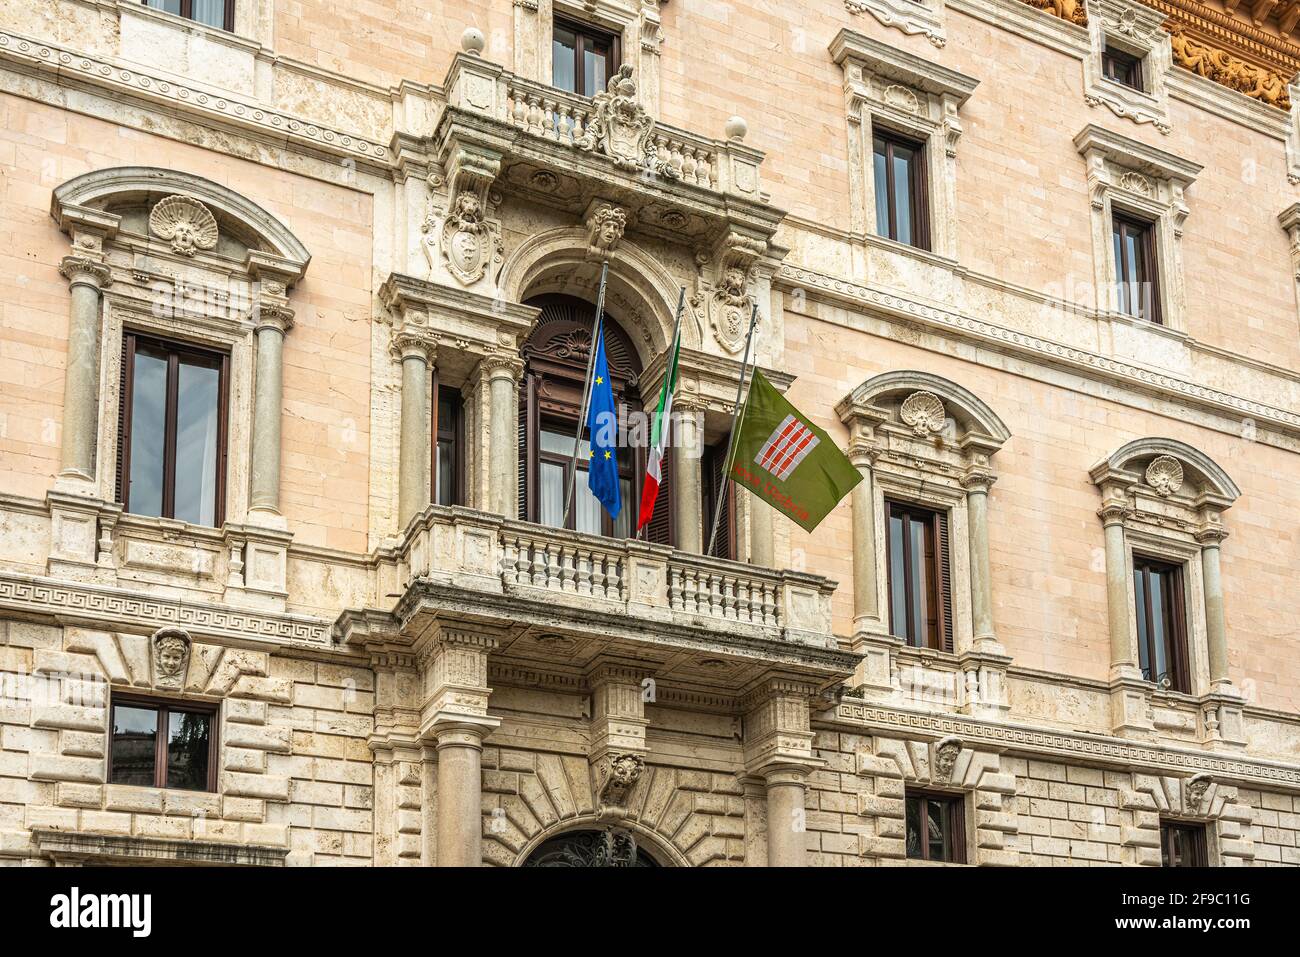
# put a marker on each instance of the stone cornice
(93, 605)
(69, 68)
(1037, 741)
(895, 64)
(1134, 154)
(1040, 349)
(76, 847)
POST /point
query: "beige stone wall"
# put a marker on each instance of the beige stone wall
(294, 771)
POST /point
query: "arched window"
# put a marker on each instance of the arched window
(550, 399)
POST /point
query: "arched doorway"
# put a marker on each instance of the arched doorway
(550, 400)
(608, 847)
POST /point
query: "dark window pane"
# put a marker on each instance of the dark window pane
(446, 475)
(1140, 595)
(134, 746)
(148, 431)
(897, 577)
(1159, 628)
(188, 746)
(915, 817)
(937, 831)
(920, 589)
(210, 12)
(903, 158)
(550, 500)
(564, 60)
(593, 68)
(197, 446)
(882, 189)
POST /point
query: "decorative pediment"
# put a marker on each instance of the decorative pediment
(1167, 470)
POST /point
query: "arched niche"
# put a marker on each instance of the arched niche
(599, 844)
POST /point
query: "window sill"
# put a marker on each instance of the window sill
(73, 847)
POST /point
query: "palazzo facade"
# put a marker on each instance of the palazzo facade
(294, 319)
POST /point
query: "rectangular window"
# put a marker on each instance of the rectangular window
(583, 58)
(920, 576)
(165, 744)
(1122, 67)
(1136, 275)
(1161, 623)
(902, 211)
(172, 441)
(936, 827)
(555, 459)
(212, 13)
(448, 444)
(1183, 845)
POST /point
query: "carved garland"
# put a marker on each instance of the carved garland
(1070, 10)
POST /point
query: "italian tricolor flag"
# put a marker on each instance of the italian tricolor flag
(659, 435)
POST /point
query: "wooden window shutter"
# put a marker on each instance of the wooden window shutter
(725, 546)
(527, 446)
(123, 436)
(945, 578)
(660, 528)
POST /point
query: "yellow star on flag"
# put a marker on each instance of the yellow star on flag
(600, 380)
(607, 453)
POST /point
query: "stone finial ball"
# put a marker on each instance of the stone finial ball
(736, 128)
(472, 42)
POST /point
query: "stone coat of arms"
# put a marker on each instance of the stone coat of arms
(619, 126)
(469, 242)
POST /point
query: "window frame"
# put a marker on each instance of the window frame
(187, 13)
(938, 531)
(918, 185)
(712, 480)
(1198, 845)
(453, 432)
(954, 816)
(585, 33)
(1130, 65)
(164, 707)
(1122, 225)
(1176, 651)
(175, 349)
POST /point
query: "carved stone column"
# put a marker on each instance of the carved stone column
(1210, 536)
(1129, 693)
(273, 319)
(686, 478)
(977, 482)
(778, 750)
(416, 350)
(502, 372)
(87, 274)
(454, 714)
(399, 796)
(866, 597)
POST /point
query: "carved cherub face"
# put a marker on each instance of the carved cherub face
(171, 657)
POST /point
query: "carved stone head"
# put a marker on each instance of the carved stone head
(1194, 791)
(945, 758)
(171, 657)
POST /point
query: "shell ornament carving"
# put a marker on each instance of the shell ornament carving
(185, 222)
(923, 412)
(1165, 475)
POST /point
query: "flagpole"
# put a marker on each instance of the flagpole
(731, 442)
(668, 370)
(586, 392)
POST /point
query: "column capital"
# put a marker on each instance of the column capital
(86, 269)
(501, 365)
(977, 480)
(1115, 512)
(452, 730)
(862, 452)
(272, 313)
(413, 343)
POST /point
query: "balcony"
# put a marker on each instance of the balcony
(564, 598)
(565, 150)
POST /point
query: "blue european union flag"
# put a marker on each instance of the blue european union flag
(602, 427)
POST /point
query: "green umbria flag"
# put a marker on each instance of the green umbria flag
(786, 461)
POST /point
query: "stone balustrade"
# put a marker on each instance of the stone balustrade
(481, 551)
